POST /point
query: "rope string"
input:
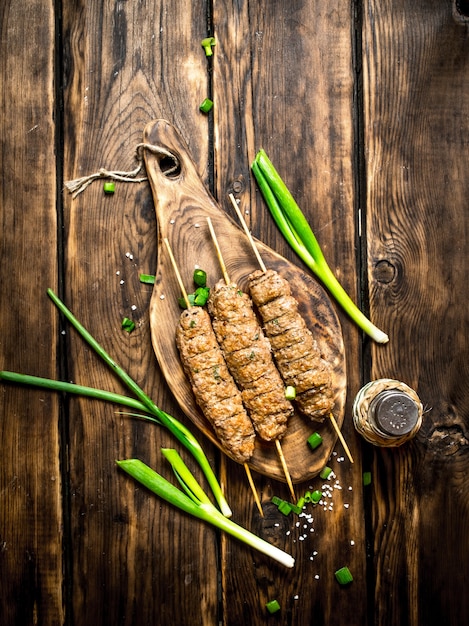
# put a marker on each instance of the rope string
(77, 186)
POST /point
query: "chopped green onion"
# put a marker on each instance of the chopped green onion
(343, 576)
(148, 279)
(276, 500)
(284, 507)
(144, 403)
(109, 187)
(272, 606)
(128, 325)
(301, 502)
(290, 392)
(207, 44)
(206, 106)
(366, 478)
(200, 278)
(307, 496)
(296, 230)
(182, 301)
(316, 496)
(196, 503)
(314, 441)
(325, 472)
(201, 296)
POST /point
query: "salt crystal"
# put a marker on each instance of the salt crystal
(121, 282)
(133, 307)
(317, 577)
(352, 543)
(162, 297)
(346, 506)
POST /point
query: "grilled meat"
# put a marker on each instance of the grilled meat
(294, 348)
(248, 356)
(214, 388)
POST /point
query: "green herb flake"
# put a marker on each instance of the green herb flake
(200, 278)
(314, 441)
(366, 478)
(273, 606)
(128, 325)
(343, 576)
(109, 187)
(206, 106)
(148, 279)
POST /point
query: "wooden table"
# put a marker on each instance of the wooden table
(364, 108)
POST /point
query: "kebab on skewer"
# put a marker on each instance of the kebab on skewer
(249, 359)
(213, 386)
(294, 347)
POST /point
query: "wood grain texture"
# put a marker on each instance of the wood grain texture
(363, 108)
(283, 80)
(416, 124)
(31, 520)
(134, 559)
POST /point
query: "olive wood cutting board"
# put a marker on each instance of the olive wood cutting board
(183, 204)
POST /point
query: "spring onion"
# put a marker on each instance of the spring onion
(296, 230)
(201, 296)
(366, 478)
(196, 503)
(343, 576)
(325, 472)
(109, 187)
(273, 606)
(207, 44)
(148, 279)
(206, 106)
(144, 402)
(128, 325)
(314, 440)
(316, 496)
(200, 278)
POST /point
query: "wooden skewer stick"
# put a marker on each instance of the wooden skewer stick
(186, 300)
(341, 437)
(263, 268)
(227, 281)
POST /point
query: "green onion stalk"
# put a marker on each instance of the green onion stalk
(296, 230)
(143, 403)
(195, 502)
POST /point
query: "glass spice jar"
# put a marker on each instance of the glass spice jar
(387, 412)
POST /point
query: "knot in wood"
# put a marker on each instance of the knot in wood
(384, 271)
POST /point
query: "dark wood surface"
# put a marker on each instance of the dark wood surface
(364, 109)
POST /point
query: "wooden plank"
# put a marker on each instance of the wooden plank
(283, 81)
(31, 522)
(135, 559)
(416, 127)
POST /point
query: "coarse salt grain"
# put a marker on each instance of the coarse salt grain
(133, 307)
(346, 506)
(121, 282)
(316, 576)
(172, 221)
(162, 297)
(118, 273)
(352, 542)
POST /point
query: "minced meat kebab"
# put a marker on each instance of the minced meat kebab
(294, 348)
(213, 386)
(248, 356)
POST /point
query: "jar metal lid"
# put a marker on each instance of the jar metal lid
(394, 412)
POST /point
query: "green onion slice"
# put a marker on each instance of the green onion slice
(273, 606)
(343, 576)
(314, 440)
